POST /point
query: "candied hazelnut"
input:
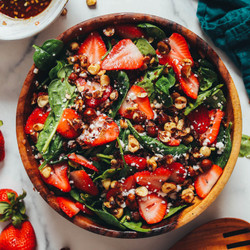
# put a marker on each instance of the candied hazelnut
(164, 47)
(206, 164)
(93, 69)
(133, 144)
(89, 114)
(141, 191)
(170, 126)
(205, 151)
(91, 3)
(74, 46)
(104, 80)
(168, 187)
(164, 136)
(106, 183)
(180, 102)
(42, 100)
(46, 171)
(123, 124)
(109, 31)
(187, 195)
(151, 163)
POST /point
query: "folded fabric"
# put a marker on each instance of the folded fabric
(227, 22)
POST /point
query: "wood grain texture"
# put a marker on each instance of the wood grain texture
(233, 114)
(210, 236)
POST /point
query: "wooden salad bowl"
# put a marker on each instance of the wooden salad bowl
(233, 115)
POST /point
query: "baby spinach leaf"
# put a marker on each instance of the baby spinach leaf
(162, 87)
(58, 90)
(53, 72)
(174, 210)
(154, 145)
(245, 146)
(53, 47)
(145, 47)
(201, 99)
(217, 100)
(148, 80)
(153, 31)
(207, 77)
(125, 170)
(122, 88)
(76, 195)
(45, 56)
(106, 217)
(109, 173)
(224, 137)
(135, 226)
(42, 59)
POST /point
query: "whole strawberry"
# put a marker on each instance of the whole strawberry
(19, 238)
(2, 151)
(19, 234)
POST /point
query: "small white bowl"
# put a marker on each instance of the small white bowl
(14, 29)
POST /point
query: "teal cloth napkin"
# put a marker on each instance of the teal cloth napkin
(227, 22)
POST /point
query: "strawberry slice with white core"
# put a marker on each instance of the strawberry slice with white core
(93, 47)
(83, 182)
(101, 131)
(152, 208)
(82, 161)
(68, 206)
(136, 100)
(216, 116)
(124, 55)
(153, 181)
(205, 182)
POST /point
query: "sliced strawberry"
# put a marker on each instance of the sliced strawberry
(93, 89)
(4, 194)
(178, 172)
(204, 182)
(68, 206)
(83, 208)
(135, 161)
(2, 150)
(82, 161)
(101, 131)
(190, 85)
(38, 116)
(59, 177)
(93, 47)
(179, 51)
(83, 182)
(199, 119)
(112, 193)
(129, 183)
(129, 31)
(69, 125)
(124, 55)
(136, 96)
(152, 208)
(153, 180)
(216, 116)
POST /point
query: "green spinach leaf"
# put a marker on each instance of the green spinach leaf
(162, 87)
(153, 31)
(217, 100)
(174, 210)
(122, 88)
(45, 56)
(156, 146)
(145, 47)
(245, 146)
(135, 226)
(58, 90)
(109, 173)
(201, 99)
(207, 77)
(149, 79)
(224, 137)
(53, 72)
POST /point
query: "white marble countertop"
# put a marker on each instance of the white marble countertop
(52, 230)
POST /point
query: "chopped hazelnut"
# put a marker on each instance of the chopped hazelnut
(164, 47)
(114, 95)
(170, 126)
(106, 183)
(205, 151)
(123, 124)
(109, 31)
(133, 144)
(180, 124)
(91, 2)
(118, 212)
(42, 100)
(38, 127)
(164, 136)
(104, 80)
(151, 163)
(74, 46)
(93, 69)
(141, 191)
(46, 171)
(187, 195)
(180, 102)
(168, 187)
(113, 184)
